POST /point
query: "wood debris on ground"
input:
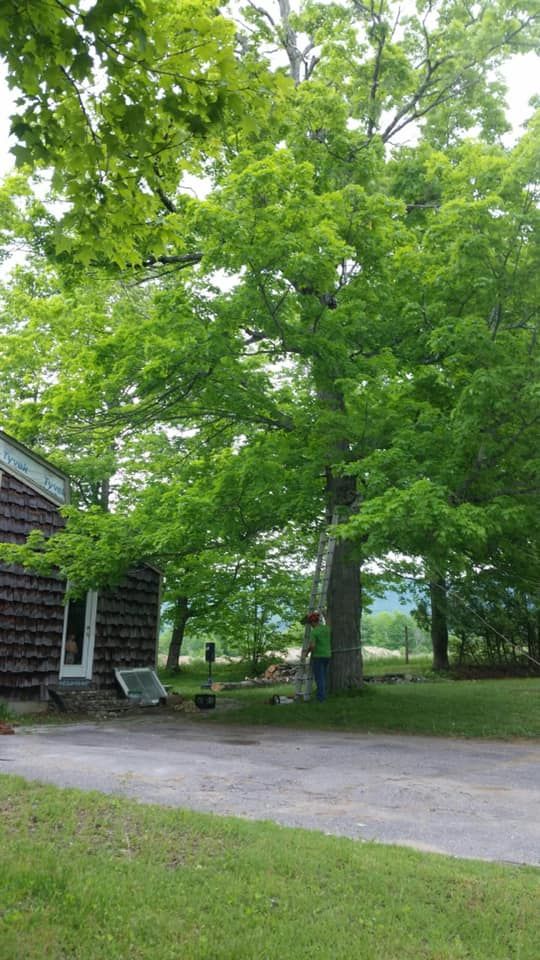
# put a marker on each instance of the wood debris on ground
(277, 673)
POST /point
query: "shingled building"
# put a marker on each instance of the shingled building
(49, 644)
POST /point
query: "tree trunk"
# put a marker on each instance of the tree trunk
(344, 612)
(256, 643)
(344, 601)
(105, 494)
(439, 623)
(344, 593)
(182, 614)
(533, 633)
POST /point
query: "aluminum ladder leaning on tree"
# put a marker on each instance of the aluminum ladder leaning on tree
(318, 601)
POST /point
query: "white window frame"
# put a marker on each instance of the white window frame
(121, 673)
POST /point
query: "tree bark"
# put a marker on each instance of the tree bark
(182, 614)
(344, 613)
(439, 623)
(344, 602)
(289, 41)
(533, 632)
(105, 494)
(344, 592)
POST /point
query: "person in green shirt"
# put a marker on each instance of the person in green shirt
(320, 648)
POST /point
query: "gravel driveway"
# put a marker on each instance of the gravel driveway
(467, 798)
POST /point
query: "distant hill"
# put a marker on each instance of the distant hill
(391, 603)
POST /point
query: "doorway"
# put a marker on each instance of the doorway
(79, 636)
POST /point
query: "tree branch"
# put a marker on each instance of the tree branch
(181, 259)
(289, 41)
(375, 82)
(87, 120)
(263, 12)
(158, 189)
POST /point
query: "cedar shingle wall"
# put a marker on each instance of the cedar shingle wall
(126, 625)
(31, 608)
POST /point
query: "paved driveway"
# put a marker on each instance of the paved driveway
(468, 798)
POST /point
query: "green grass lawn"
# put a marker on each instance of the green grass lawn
(90, 877)
(440, 707)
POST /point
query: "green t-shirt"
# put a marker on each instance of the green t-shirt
(320, 636)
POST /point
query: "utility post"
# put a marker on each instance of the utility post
(209, 656)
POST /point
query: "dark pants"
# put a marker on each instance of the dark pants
(320, 673)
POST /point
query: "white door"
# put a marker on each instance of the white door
(79, 635)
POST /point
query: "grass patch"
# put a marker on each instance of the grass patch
(418, 665)
(499, 709)
(5, 713)
(91, 877)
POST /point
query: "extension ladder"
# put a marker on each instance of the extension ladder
(317, 601)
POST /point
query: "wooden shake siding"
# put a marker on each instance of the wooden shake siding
(31, 606)
(126, 625)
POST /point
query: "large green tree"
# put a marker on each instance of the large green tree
(459, 472)
(339, 311)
